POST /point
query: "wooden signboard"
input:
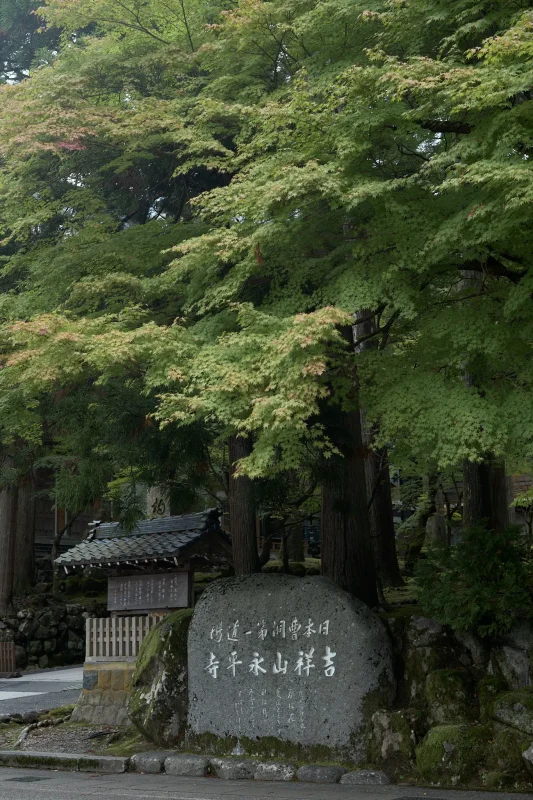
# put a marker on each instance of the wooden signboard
(148, 592)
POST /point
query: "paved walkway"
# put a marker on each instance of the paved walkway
(40, 691)
(16, 784)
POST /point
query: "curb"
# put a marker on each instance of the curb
(69, 762)
(190, 765)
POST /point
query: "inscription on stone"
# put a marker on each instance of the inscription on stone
(145, 592)
(285, 657)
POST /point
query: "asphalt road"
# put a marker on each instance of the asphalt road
(16, 784)
(40, 691)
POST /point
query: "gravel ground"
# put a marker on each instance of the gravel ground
(67, 739)
(61, 739)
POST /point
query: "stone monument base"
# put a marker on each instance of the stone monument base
(105, 693)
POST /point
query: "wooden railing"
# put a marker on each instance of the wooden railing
(7, 658)
(116, 638)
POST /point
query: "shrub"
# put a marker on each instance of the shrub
(482, 584)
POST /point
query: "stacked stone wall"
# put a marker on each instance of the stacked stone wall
(51, 636)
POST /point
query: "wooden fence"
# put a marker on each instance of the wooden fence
(116, 638)
(7, 658)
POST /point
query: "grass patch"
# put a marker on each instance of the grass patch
(127, 743)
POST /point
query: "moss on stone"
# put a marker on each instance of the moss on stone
(265, 747)
(488, 689)
(515, 709)
(505, 753)
(449, 696)
(392, 741)
(451, 755)
(159, 700)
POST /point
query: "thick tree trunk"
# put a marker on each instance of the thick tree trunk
(294, 544)
(381, 518)
(242, 511)
(8, 516)
(346, 550)
(485, 495)
(24, 577)
(378, 485)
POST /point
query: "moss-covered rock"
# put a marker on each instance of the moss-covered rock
(393, 738)
(515, 709)
(449, 695)
(505, 752)
(159, 701)
(451, 755)
(428, 646)
(488, 690)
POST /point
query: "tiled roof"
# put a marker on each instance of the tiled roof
(150, 540)
(185, 522)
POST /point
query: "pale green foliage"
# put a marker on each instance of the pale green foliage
(345, 156)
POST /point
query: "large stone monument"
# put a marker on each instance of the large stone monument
(295, 665)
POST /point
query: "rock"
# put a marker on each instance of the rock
(275, 772)
(42, 632)
(41, 588)
(50, 646)
(233, 769)
(187, 764)
(428, 646)
(274, 657)
(520, 636)
(449, 696)
(487, 690)
(317, 774)
(477, 650)
(515, 709)
(426, 632)
(151, 763)
(21, 657)
(451, 754)
(366, 777)
(43, 662)
(90, 679)
(30, 717)
(158, 703)
(514, 665)
(393, 739)
(505, 752)
(527, 758)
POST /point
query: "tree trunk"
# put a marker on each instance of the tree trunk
(25, 536)
(485, 495)
(378, 486)
(294, 544)
(346, 547)
(242, 510)
(8, 517)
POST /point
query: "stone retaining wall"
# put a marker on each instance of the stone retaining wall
(46, 637)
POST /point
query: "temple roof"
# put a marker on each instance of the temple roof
(151, 540)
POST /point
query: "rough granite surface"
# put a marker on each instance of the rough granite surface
(278, 656)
